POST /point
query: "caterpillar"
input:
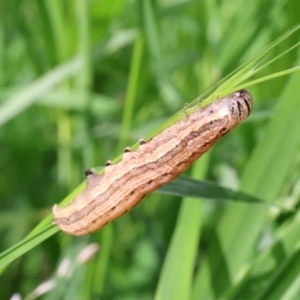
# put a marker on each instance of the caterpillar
(155, 162)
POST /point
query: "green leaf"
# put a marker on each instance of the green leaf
(188, 187)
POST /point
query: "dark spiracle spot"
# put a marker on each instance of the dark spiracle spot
(126, 150)
(108, 163)
(88, 172)
(149, 181)
(142, 141)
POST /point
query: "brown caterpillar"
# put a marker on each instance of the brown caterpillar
(154, 163)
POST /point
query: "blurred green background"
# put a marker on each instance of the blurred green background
(80, 80)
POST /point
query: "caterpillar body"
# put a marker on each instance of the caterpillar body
(156, 162)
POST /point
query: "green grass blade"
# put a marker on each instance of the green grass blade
(176, 276)
(25, 97)
(25, 245)
(188, 187)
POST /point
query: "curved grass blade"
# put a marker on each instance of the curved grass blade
(20, 100)
(188, 187)
(25, 245)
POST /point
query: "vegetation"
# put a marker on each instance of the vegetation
(81, 80)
